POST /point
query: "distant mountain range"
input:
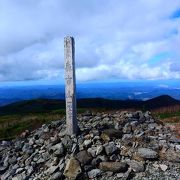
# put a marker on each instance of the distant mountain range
(112, 91)
(45, 105)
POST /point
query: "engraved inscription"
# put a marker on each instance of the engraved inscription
(70, 88)
(68, 66)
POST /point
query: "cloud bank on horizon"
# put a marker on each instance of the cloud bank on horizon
(114, 39)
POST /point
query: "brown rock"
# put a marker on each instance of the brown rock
(137, 157)
(105, 137)
(113, 166)
(170, 155)
(72, 169)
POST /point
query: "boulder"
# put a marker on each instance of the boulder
(147, 153)
(72, 169)
(83, 157)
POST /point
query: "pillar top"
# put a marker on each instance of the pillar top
(68, 37)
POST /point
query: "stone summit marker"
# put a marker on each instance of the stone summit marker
(70, 85)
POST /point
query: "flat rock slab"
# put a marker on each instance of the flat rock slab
(114, 166)
(72, 169)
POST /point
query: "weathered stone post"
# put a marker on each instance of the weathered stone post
(70, 85)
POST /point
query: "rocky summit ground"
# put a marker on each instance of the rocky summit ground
(118, 145)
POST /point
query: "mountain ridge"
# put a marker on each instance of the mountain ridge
(41, 105)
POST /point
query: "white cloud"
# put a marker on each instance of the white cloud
(114, 39)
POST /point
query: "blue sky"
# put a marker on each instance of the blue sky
(117, 39)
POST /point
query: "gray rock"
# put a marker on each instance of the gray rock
(99, 149)
(95, 162)
(57, 149)
(3, 169)
(19, 170)
(18, 145)
(27, 149)
(94, 173)
(83, 157)
(52, 169)
(6, 161)
(67, 142)
(136, 166)
(12, 160)
(87, 142)
(126, 175)
(110, 148)
(30, 170)
(127, 128)
(173, 139)
(56, 176)
(147, 153)
(163, 167)
(92, 151)
(75, 148)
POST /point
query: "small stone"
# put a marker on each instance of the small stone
(99, 149)
(111, 148)
(95, 162)
(83, 157)
(177, 147)
(114, 157)
(67, 142)
(72, 169)
(46, 130)
(163, 167)
(136, 166)
(92, 151)
(57, 149)
(87, 142)
(27, 149)
(30, 170)
(120, 175)
(12, 160)
(114, 166)
(75, 148)
(19, 170)
(52, 169)
(3, 169)
(56, 176)
(127, 128)
(41, 160)
(94, 173)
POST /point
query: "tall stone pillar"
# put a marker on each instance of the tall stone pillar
(70, 85)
